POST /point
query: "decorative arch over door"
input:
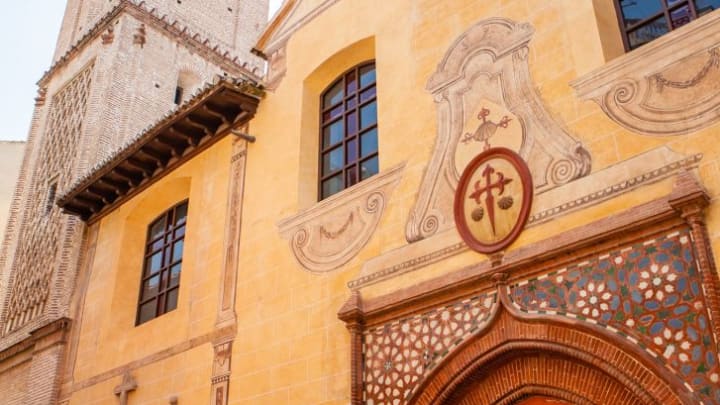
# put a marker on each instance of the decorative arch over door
(622, 310)
(518, 359)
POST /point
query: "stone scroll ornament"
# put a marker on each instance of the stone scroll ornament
(667, 88)
(485, 98)
(493, 200)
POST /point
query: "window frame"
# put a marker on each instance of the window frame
(348, 165)
(664, 12)
(164, 272)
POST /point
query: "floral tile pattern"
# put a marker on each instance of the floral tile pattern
(650, 293)
(399, 354)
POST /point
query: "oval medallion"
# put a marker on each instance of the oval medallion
(493, 199)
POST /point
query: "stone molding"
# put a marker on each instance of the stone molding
(218, 335)
(488, 66)
(276, 68)
(604, 185)
(667, 87)
(236, 191)
(286, 22)
(220, 381)
(329, 234)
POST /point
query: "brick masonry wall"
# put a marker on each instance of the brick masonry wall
(14, 383)
(11, 154)
(233, 24)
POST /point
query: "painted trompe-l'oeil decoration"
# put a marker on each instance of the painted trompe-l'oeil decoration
(493, 199)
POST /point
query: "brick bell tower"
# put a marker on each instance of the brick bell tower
(120, 65)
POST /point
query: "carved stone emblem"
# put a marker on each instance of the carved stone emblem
(485, 98)
(494, 126)
(332, 232)
(493, 200)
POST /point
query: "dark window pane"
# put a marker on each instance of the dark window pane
(178, 250)
(368, 168)
(350, 104)
(367, 75)
(351, 120)
(332, 185)
(154, 263)
(350, 83)
(352, 177)
(157, 228)
(352, 151)
(167, 257)
(635, 11)
(705, 6)
(334, 95)
(647, 32)
(333, 160)
(368, 142)
(334, 113)
(175, 275)
(172, 298)
(368, 94)
(680, 16)
(151, 287)
(147, 311)
(181, 214)
(333, 133)
(156, 245)
(160, 281)
(368, 115)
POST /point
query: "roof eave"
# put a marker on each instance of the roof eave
(168, 144)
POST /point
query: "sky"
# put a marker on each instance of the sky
(27, 42)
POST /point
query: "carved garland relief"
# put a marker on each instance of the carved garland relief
(667, 87)
(485, 98)
(332, 232)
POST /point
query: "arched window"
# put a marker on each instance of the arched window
(643, 21)
(160, 281)
(348, 130)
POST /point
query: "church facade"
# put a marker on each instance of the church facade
(412, 202)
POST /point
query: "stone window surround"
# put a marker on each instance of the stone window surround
(324, 235)
(625, 87)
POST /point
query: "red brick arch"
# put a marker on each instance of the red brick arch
(517, 359)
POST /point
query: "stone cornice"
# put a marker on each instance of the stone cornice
(172, 29)
(580, 194)
(277, 33)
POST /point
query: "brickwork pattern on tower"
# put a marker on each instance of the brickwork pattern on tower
(41, 235)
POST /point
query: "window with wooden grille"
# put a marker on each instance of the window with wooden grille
(162, 266)
(348, 130)
(641, 21)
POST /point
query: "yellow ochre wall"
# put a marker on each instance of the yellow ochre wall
(108, 336)
(290, 346)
